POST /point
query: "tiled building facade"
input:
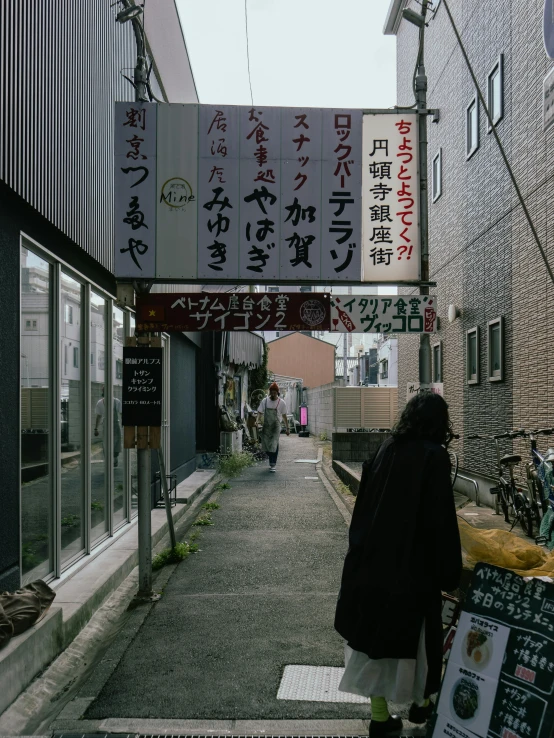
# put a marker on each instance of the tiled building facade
(482, 253)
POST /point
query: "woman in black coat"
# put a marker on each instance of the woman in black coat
(404, 549)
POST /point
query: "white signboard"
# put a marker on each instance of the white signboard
(548, 100)
(247, 194)
(135, 190)
(414, 388)
(391, 249)
(384, 314)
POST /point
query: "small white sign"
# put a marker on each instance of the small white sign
(414, 388)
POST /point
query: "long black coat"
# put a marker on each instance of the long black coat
(404, 548)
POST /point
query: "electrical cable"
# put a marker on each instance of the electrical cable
(497, 138)
(248, 50)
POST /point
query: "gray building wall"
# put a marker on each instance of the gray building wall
(482, 254)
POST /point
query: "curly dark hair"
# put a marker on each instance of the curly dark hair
(425, 417)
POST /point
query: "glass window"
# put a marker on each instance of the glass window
(119, 497)
(384, 369)
(495, 91)
(99, 452)
(132, 451)
(73, 517)
(36, 402)
(496, 350)
(473, 356)
(472, 127)
(437, 176)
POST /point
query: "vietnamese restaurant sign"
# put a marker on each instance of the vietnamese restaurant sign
(261, 194)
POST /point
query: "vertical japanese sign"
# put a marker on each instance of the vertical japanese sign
(390, 199)
(340, 194)
(300, 193)
(260, 187)
(219, 206)
(142, 386)
(177, 191)
(499, 680)
(135, 190)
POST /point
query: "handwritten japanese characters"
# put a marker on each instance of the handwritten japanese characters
(391, 251)
(142, 386)
(174, 312)
(384, 314)
(135, 190)
(500, 675)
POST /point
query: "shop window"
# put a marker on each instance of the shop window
(472, 356)
(495, 344)
(495, 91)
(437, 176)
(472, 127)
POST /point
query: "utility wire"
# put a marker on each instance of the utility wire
(248, 50)
(502, 152)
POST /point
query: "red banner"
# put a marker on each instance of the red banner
(223, 311)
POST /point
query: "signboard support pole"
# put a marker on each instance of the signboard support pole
(144, 516)
(421, 102)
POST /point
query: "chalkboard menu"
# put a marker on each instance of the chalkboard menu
(499, 680)
(142, 386)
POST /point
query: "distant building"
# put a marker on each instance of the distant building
(298, 355)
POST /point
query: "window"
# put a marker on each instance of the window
(437, 176)
(472, 356)
(65, 360)
(384, 368)
(118, 369)
(495, 91)
(496, 350)
(101, 360)
(75, 357)
(437, 362)
(31, 325)
(68, 314)
(472, 127)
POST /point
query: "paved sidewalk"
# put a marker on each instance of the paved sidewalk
(260, 595)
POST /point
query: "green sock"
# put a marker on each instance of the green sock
(379, 709)
(425, 703)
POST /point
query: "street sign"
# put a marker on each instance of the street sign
(499, 680)
(142, 386)
(414, 388)
(222, 311)
(384, 314)
(548, 28)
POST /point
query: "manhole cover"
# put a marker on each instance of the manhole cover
(315, 684)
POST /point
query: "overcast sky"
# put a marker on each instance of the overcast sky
(313, 53)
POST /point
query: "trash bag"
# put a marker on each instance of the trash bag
(500, 548)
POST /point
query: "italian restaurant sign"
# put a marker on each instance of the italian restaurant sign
(261, 194)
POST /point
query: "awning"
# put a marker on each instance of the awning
(244, 348)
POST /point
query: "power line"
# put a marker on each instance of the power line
(248, 50)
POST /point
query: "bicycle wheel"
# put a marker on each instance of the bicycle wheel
(453, 467)
(523, 513)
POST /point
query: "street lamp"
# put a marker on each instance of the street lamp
(132, 12)
(128, 14)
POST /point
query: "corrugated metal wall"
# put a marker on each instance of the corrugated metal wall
(60, 64)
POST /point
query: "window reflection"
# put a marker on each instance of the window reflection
(73, 518)
(133, 452)
(36, 482)
(119, 498)
(99, 452)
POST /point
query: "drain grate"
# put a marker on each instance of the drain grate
(315, 684)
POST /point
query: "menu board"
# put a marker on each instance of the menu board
(499, 680)
(142, 386)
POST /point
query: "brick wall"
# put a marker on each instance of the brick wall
(482, 254)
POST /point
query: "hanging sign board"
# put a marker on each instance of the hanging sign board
(499, 680)
(390, 181)
(222, 311)
(384, 314)
(142, 386)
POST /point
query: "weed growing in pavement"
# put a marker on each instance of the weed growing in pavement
(231, 465)
(173, 555)
(323, 436)
(205, 519)
(211, 506)
(344, 489)
(222, 486)
(194, 536)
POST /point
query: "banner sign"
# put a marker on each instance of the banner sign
(414, 388)
(499, 680)
(384, 314)
(390, 181)
(238, 193)
(142, 386)
(222, 311)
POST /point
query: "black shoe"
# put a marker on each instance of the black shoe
(420, 715)
(391, 726)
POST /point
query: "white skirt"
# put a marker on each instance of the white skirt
(398, 680)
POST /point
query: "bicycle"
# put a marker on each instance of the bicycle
(535, 472)
(511, 498)
(453, 458)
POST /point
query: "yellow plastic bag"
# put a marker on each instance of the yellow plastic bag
(500, 548)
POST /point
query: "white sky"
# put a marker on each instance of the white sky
(304, 53)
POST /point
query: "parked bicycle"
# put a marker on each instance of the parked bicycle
(515, 505)
(453, 458)
(536, 475)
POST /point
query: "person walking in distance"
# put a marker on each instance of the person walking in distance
(100, 413)
(404, 550)
(273, 409)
